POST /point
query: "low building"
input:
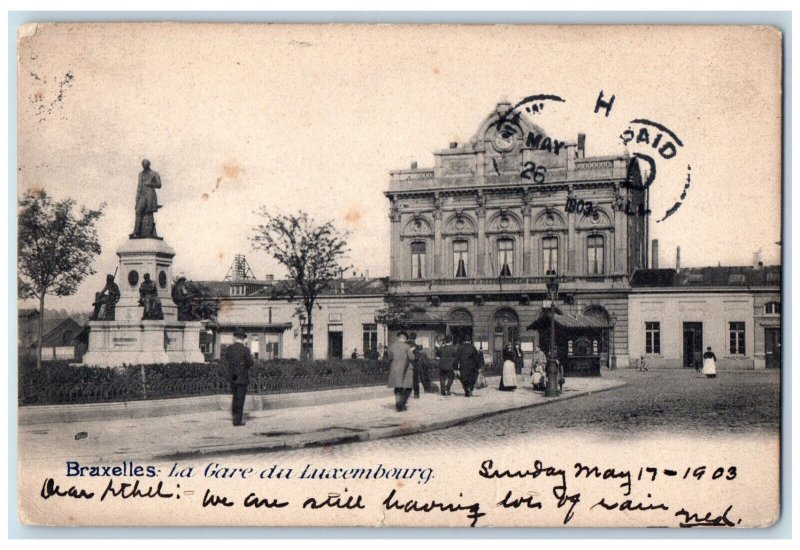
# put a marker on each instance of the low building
(58, 339)
(674, 316)
(344, 321)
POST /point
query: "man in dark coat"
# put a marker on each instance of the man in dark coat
(239, 361)
(447, 364)
(415, 364)
(469, 362)
(401, 376)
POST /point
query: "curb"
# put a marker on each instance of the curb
(47, 414)
(366, 434)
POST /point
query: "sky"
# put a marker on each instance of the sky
(314, 117)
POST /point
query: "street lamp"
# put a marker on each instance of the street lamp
(552, 366)
(613, 363)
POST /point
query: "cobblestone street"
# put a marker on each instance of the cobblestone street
(655, 402)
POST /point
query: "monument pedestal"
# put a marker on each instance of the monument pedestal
(116, 343)
(129, 339)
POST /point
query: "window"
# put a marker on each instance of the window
(736, 338)
(550, 254)
(417, 260)
(652, 338)
(594, 247)
(772, 308)
(460, 258)
(505, 257)
(369, 339)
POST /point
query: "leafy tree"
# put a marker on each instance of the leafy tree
(311, 253)
(399, 308)
(195, 300)
(55, 249)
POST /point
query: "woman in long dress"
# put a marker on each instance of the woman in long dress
(709, 363)
(508, 381)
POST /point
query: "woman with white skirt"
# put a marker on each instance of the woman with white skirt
(709, 363)
(508, 381)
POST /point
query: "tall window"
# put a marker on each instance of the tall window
(460, 258)
(550, 254)
(594, 246)
(652, 338)
(417, 260)
(369, 345)
(736, 331)
(505, 257)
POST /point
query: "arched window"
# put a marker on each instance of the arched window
(418, 260)
(595, 249)
(772, 308)
(549, 254)
(460, 258)
(505, 257)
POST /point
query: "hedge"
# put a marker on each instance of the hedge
(59, 383)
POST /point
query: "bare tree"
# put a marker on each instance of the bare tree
(311, 253)
(55, 247)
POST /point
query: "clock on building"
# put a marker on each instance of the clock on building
(505, 138)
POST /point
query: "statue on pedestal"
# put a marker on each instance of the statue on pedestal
(148, 297)
(146, 203)
(182, 299)
(105, 301)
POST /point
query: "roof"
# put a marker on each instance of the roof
(28, 312)
(564, 320)
(54, 332)
(719, 276)
(251, 324)
(416, 318)
(355, 286)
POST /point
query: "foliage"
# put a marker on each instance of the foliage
(59, 383)
(56, 248)
(398, 308)
(312, 254)
(195, 302)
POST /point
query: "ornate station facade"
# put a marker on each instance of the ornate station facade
(474, 239)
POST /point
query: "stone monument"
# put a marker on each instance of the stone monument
(144, 328)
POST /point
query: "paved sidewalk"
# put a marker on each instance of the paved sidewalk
(209, 433)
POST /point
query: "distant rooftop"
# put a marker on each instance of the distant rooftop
(280, 289)
(720, 276)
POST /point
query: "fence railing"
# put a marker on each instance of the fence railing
(75, 385)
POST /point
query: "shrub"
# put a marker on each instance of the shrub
(57, 382)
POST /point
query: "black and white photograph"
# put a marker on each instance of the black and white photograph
(359, 275)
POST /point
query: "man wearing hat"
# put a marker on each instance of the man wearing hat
(415, 363)
(401, 372)
(239, 360)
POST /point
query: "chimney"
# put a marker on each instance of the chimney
(414, 165)
(654, 259)
(581, 145)
(678, 259)
(366, 273)
(757, 263)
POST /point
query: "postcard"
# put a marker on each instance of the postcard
(399, 275)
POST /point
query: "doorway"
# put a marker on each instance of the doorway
(335, 344)
(692, 345)
(506, 331)
(460, 333)
(772, 347)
